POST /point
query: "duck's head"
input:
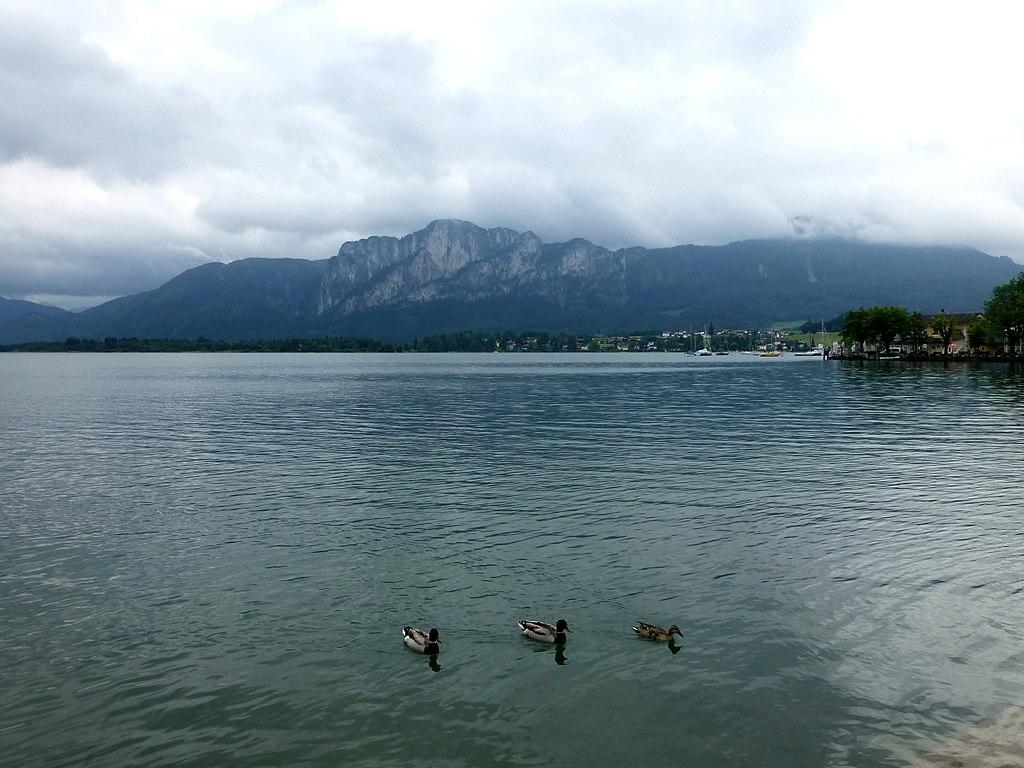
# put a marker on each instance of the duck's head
(562, 626)
(674, 630)
(434, 636)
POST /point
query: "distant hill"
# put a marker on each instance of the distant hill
(246, 299)
(26, 320)
(454, 275)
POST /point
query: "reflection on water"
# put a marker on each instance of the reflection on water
(207, 559)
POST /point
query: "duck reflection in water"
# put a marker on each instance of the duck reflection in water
(560, 658)
(432, 662)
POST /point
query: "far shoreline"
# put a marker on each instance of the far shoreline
(934, 360)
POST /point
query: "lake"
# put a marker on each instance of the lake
(208, 560)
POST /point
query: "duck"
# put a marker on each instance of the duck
(422, 642)
(543, 632)
(654, 632)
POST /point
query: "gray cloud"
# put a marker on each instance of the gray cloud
(57, 267)
(137, 140)
(64, 102)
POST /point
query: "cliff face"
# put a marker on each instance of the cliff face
(458, 260)
(453, 275)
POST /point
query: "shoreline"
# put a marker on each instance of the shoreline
(930, 359)
(275, 348)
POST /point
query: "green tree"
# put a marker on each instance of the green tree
(1005, 311)
(916, 331)
(945, 326)
(977, 334)
(855, 327)
(886, 323)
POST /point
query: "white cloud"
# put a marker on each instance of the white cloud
(138, 138)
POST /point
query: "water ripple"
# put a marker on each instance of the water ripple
(207, 559)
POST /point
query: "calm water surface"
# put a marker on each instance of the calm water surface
(208, 559)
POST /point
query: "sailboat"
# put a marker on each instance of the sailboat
(818, 351)
(706, 351)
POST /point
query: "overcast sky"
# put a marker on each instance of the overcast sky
(140, 138)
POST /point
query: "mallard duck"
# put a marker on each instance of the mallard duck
(654, 632)
(543, 632)
(422, 642)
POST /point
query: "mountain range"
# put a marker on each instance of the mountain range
(453, 275)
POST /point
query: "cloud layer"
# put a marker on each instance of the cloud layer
(137, 139)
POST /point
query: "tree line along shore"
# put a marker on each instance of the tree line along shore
(884, 332)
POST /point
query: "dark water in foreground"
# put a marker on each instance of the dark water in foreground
(207, 560)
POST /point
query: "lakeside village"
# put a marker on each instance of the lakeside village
(856, 336)
(695, 343)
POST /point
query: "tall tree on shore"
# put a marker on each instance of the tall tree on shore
(886, 323)
(977, 333)
(1005, 310)
(855, 327)
(916, 331)
(945, 326)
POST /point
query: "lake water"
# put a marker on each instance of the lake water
(208, 559)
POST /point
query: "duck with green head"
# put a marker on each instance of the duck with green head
(543, 632)
(422, 642)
